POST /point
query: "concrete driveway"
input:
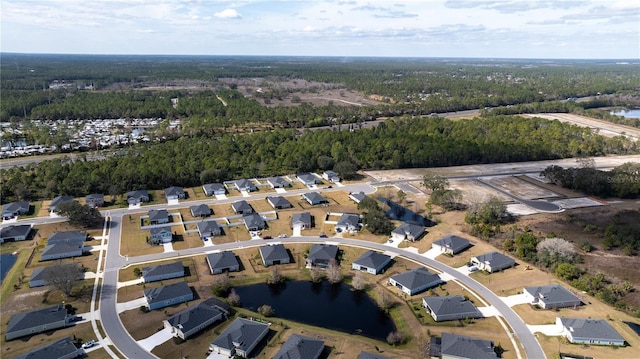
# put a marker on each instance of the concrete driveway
(156, 339)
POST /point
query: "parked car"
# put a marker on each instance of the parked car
(282, 236)
(267, 237)
(89, 344)
(323, 235)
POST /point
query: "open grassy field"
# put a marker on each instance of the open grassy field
(134, 239)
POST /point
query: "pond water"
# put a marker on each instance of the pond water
(400, 213)
(627, 113)
(335, 307)
(6, 262)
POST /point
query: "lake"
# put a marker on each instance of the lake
(627, 113)
(6, 262)
(335, 307)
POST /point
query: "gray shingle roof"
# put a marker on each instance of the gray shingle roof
(279, 202)
(467, 347)
(62, 248)
(213, 187)
(277, 181)
(349, 219)
(409, 230)
(15, 207)
(35, 318)
(40, 273)
(63, 348)
(60, 199)
(243, 332)
(274, 252)
(322, 252)
(15, 231)
(200, 210)
(67, 236)
(167, 292)
(242, 184)
(163, 269)
(195, 316)
(415, 278)
(158, 214)
(314, 197)
(241, 206)
(174, 191)
(141, 194)
(553, 293)
(253, 220)
(358, 197)
(306, 177)
(453, 304)
(495, 259)
(159, 230)
(367, 355)
(301, 218)
(208, 226)
(590, 328)
(300, 347)
(222, 260)
(452, 242)
(372, 259)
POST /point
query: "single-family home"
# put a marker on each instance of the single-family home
(241, 207)
(15, 209)
(60, 349)
(214, 189)
(245, 185)
(137, 197)
(208, 229)
(308, 179)
(357, 197)
(493, 262)
(162, 272)
(62, 250)
(239, 338)
(67, 236)
(201, 210)
(225, 261)
(37, 321)
(254, 222)
(321, 255)
(277, 182)
(160, 235)
(551, 296)
(371, 262)
(39, 275)
(367, 355)
(57, 201)
(174, 193)
(15, 233)
(94, 200)
(408, 232)
(273, 254)
(451, 244)
(158, 216)
(453, 346)
(348, 222)
(300, 347)
(415, 281)
(195, 319)
(167, 295)
(451, 307)
(279, 202)
(302, 220)
(331, 176)
(314, 198)
(589, 331)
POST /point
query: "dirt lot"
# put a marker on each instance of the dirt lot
(607, 129)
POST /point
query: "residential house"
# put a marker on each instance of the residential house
(371, 262)
(279, 202)
(15, 233)
(451, 244)
(452, 346)
(367, 355)
(493, 262)
(551, 296)
(137, 197)
(208, 229)
(348, 222)
(241, 207)
(302, 220)
(277, 182)
(174, 193)
(308, 179)
(245, 185)
(408, 232)
(589, 331)
(225, 261)
(415, 281)
(168, 295)
(162, 272)
(67, 236)
(60, 349)
(39, 274)
(314, 198)
(160, 235)
(57, 201)
(300, 347)
(15, 209)
(214, 189)
(201, 210)
(357, 197)
(239, 338)
(331, 176)
(321, 255)
(37, 321)
(94, 200)
(451, 307)
(195, 319)
(273, 254)
(62, 250)
(158, 216)
(254, 222)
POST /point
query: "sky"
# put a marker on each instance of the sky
(557, 29)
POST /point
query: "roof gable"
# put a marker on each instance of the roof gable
(35, 318)
(222, 260)
(59, 349)
(415, 278)
(300, 347)
(323, 252)
(274, 252)
(241, 334)
(553, 293)
(453, 242)
(590, 328)
(372, 259)
(162, 269)
(167, 292)
(467, 347)
(453, 304)
(193, 317)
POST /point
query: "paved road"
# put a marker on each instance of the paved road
(542, 206)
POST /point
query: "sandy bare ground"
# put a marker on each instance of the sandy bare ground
(604, 128)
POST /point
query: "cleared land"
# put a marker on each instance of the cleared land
(607, 129)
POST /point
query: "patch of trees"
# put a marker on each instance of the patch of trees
(622, 182)
(487, 216)
(374, 218)
(64, 276)
(80, 215)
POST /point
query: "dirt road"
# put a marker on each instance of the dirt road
(604, 128)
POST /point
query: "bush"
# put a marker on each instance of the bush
(395, 338)
(266, 310)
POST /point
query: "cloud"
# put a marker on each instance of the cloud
(514, 6)
(227, 14)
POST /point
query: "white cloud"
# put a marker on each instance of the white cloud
(227, 14)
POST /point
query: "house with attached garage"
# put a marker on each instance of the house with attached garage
(302, 220)
(15, 209)
(408, 232)
(174, 193)
(162, 272)
(239, 338)
(452, 346)
(58, 201)
(308, 179)
(201, 210)
(273, 254)
(493, 262)
(348, 222)
(62, 250)
(254, 222)
(195, 319)
(168, 295)
(208, 229)
(245, 185)
(15, 233)
(451, 307)
(160, 235)
(278, 202)
(94, 200)
(589, 331)
(278, 182)
(37, 321)
(214, 189)
(331, 176)
(39, 275)
(158, 216)
(314, 198)
(137, 197)
(67, 236)
(60, 349)
(371, 262)
(451, 244)
(321, 255)
(225, 261)
(357, 197)
(415, 281)
(298, 346)
(241, 207)
(551, 296)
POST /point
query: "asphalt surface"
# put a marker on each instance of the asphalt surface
(542, 206)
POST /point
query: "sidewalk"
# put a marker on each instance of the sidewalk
(132, 304)
(130, 282)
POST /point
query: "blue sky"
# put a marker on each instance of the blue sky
(574, 29)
